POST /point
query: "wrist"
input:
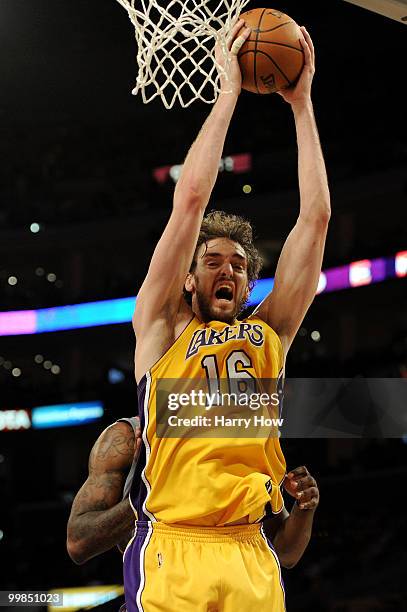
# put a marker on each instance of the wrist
(230, 91)
(226, 102)
(302, 104)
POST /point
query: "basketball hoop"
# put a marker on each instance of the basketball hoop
(175, 43)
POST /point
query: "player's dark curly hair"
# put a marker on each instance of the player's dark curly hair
(218, 224)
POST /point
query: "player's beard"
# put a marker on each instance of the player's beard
(207, 312)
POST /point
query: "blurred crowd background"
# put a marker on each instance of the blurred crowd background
(82, 205)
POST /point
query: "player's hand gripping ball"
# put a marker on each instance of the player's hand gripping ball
(272, 58)
(303, 487)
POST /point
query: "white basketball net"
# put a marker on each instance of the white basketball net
(175, 46)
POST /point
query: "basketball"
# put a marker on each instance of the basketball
(272, 58)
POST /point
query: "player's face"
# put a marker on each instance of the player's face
(219, 282)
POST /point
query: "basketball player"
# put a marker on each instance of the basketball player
(101, 516)
(198, 542)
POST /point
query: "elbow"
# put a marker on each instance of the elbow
(190, 196)
(318, 218)
(288, 562)
(77, 551)
(316, 208)
(290, 556)
(325, 215)
(286, 558)
(324, 211)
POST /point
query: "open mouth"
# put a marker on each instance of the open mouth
(224, 293)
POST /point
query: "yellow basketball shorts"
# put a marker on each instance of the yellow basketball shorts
(171, 568)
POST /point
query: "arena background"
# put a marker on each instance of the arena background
(92, 167)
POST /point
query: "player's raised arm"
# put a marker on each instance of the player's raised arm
(160, 294)
(300, 262)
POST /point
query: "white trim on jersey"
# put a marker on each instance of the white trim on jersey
(147, 445)
(142, 572)
(131, 539)
(273, 552)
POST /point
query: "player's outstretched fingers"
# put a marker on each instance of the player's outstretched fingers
(307, 51)
(237, 43)
(309, 41)
(232, 34)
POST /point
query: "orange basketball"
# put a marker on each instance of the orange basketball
(272, 57)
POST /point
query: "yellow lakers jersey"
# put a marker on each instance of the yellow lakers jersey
(209, 481)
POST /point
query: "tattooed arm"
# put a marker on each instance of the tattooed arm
(99, 519)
